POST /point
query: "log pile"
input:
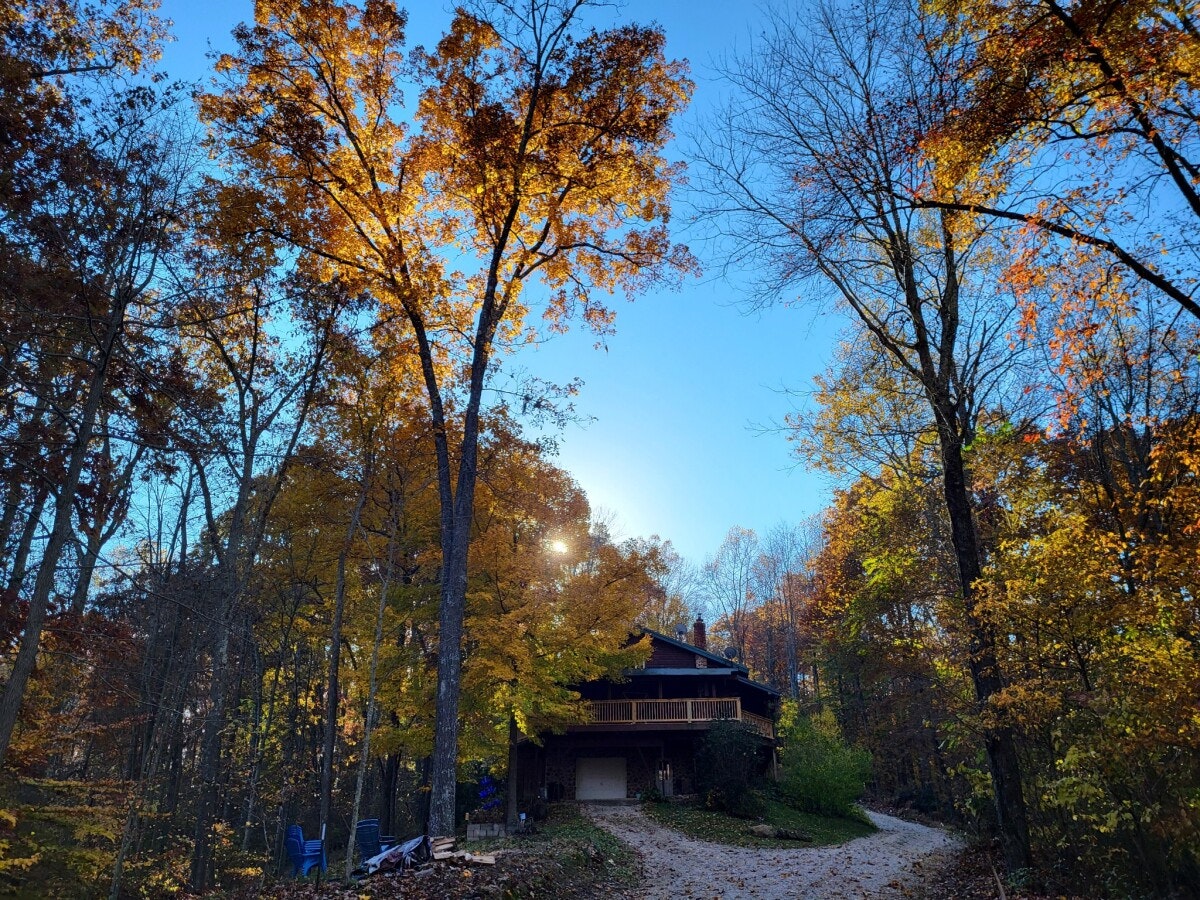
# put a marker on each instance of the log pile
(444, 851)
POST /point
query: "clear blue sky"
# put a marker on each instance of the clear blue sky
(681, 395)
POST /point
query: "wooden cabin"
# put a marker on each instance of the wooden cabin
(643, 732)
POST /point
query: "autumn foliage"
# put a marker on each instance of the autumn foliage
(282, 536)
(266, 529)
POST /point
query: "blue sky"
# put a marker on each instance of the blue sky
(680, 397)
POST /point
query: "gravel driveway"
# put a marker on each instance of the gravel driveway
(879, 865)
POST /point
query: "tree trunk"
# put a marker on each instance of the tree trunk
(210, 743)
(109, 517)
(16, 576)
(60, 534)
(335, 654)
(151, 760)
(389, 777)
(999, 743)
(514, 735)
(257, 732)
(443, 776)
(443, 781)
(256, 758)
(227, 586)
(372, 686)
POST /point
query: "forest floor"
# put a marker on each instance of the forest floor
(896, 861)
(620, 853)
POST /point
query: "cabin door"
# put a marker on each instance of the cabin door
(601, 778)
(663, 780)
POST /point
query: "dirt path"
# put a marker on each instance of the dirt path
(877, 866)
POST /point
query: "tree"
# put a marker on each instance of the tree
(729, 584)
(813, 171)
(1080, 125)
(242, 446)
(535, 153)
(124, 177)
(551, 605)
(676, 589)
(885, 618)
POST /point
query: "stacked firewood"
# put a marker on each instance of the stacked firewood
(444, 850)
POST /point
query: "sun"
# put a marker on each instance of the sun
(559, 546)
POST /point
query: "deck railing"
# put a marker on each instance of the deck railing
(677, 711)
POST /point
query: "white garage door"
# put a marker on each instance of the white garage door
(600, 779)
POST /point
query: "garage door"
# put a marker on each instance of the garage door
(600, 779)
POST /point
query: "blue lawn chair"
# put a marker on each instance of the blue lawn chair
(303, 854)
(370, 842)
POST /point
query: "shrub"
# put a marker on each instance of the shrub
(727, 771)
(821, 774)
(653, 795)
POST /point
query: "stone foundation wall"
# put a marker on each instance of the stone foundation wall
(477, 831)
(560, 773)
(639, 771)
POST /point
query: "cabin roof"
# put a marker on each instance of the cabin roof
(692, 648)
(725, 666)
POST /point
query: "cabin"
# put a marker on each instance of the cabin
(643, 732)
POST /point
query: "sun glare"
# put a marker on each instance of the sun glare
(559, 546)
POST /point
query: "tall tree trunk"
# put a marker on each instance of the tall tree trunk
(24, 546)
(389, 776)
(227, 586)
(210, 742)
(268, 721)
(456, 541)
(444, 761)
(335, 652)
(999, 742)
(257, 730)
(13, 496)
(512, 780)
(149, 770)
(372, 687)
(60, 533)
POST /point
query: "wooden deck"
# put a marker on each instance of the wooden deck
(683, 711)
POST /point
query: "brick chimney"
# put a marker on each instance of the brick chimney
(698, 637)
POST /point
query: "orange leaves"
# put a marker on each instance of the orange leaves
(523, 165)
(1078, 122)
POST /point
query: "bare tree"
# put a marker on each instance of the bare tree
(810, 173)
(730, 583)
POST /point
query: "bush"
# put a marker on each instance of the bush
(821, 774)
(727, 771)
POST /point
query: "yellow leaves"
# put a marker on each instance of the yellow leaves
(10, 862)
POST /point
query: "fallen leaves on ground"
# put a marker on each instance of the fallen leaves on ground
(550, 870)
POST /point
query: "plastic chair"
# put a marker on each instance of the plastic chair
(303, 854)
(370, 842)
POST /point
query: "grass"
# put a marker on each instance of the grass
(720, 828)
